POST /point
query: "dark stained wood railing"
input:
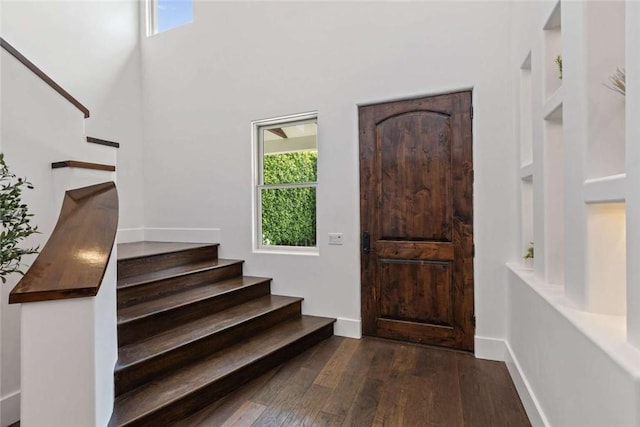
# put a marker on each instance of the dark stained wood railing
(103, 142)
(82, 165)
(73, 262)
(48, 80)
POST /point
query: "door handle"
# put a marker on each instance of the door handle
(366, 243)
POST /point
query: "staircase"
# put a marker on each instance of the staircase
(191, 328)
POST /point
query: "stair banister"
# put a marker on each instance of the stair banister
(45, 78)
(68, 315)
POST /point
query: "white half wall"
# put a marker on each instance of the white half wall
(577, 367)
(69, 350)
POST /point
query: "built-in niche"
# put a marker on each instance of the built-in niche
(553, 52)
(554, 196)
(605, 107)
(606, 259)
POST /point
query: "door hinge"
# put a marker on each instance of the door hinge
(472, 111)
(473, 320)
(473, 250)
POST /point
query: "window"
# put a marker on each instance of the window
(286, 182)
(168, 14)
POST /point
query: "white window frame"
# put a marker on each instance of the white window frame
(152, 17)
(258, 184)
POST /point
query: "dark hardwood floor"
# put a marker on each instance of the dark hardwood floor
(373, 382)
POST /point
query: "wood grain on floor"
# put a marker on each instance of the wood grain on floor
(372, 382)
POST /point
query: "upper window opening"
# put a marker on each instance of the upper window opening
(168, 14)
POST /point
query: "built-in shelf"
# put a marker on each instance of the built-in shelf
(526, 172)
(552, 109)
(608, 189)
(552, 49)
(554, 21)
(526, 111)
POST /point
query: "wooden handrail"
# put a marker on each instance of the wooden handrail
(82, 165)
(48, 80)
(73, 262)
(103, 142)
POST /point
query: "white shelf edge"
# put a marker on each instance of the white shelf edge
(554, 20)
(526, 63)
(552, 109)
(608, 189)
(526, 172)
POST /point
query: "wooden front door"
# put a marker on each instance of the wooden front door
(416, 213)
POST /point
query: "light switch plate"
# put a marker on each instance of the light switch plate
(335, 238)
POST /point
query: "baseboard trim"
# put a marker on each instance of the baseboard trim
(186, 235)
(490, 348)
(128, 235)
(350, 328)
(10, 408)
(528, 398)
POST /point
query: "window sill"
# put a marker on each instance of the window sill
(303, 252)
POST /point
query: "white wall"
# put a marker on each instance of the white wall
(90, 49)
(567, 344)
(205, 82)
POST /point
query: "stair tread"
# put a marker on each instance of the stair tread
(165, 273)
(135, 250)
(182, 382)
(199, 328)
(185, 297)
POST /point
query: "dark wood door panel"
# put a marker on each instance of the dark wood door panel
(415, 205)
(413, 290)
(416, 182)
(415, 250)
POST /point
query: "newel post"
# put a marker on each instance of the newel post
(68, 316)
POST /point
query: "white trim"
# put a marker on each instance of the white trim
(289, 250)
(350, 328)
(10, 408)
(257, 154)
(528, 398)
(607, 189)
(490, 348)
(552, 109)
(151, 10)
(526, 172)
(128, 235)
(186, 235)
(500, 350)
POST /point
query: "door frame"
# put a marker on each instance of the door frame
(365, 288)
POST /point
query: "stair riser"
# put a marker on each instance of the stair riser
(200, 398)
(140, 329)
(131, 377)
(132, 267)
(159, 288)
